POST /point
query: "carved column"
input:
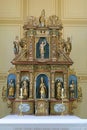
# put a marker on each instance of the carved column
(31, 85)
(17, 84)
(52, 85)
(31, 44)
(54, 45)
(66, 84)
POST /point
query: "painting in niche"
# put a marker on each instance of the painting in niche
(72, 87)
(24, 87)
(42, 86)
(42, 48)
(11, 85)
(58, 87)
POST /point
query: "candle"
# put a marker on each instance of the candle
(62, 92)
(21, 91)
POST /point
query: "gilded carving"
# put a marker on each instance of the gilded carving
(82, 78)
(4, 90)
(54, 48)
(42, 76)
(42, 107)
(42, 67)
(68, 46)
(79, 93)
(3, 76)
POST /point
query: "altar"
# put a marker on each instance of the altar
(41, 81)
(16, 122)
(42, 90)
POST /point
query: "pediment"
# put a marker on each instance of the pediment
(24, 58)
(63, 57)
(21, 57)
(42, 43)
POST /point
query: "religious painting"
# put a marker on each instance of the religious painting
(42, 48)
(42, 86)
(11, 85)
(72, 87)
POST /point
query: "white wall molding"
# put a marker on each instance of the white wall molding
(11, 10)
(74, 9)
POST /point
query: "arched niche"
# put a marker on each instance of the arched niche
(73, 87)
(24, 87)
(11, 86)
(59, 84)
(39, 84)
(42, 48)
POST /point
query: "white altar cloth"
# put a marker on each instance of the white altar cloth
(15, 122)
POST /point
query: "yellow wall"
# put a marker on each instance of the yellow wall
(13, 13)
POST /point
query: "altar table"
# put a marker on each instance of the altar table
(16, 122)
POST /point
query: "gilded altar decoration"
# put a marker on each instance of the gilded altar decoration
(24, 88)
(16, 45)
(11, 88)
(42, 19)
(40, 82)
(68, 46)
(42, 89)
(72, 89)
(58, 89)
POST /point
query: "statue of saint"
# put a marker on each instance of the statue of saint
(58, 89)
(42, 89)
(72, 89)
(11, 90)
(42, 18)
(42, 51)
(79, 92)
(16, 45)
(25, 88)
(68, 46)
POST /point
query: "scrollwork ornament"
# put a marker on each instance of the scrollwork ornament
(79, 93)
